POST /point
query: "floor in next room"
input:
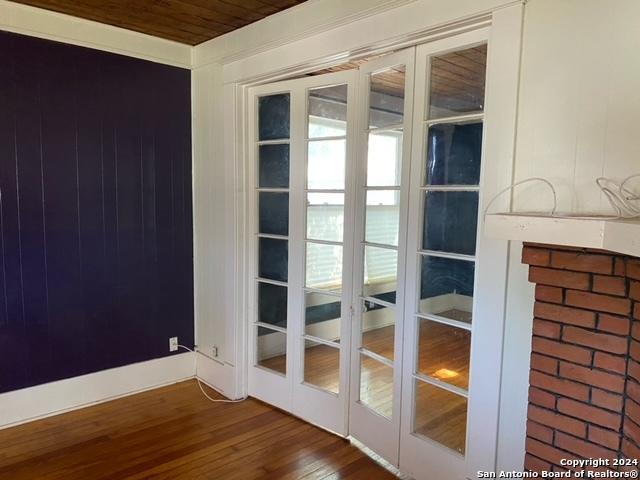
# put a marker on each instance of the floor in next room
(175, 433)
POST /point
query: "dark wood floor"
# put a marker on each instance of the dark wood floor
(175, 433)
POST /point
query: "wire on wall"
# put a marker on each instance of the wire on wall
(621, 198)
(215, 400)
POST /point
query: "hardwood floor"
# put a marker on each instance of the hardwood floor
(175, 433)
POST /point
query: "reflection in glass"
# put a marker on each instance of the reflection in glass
(271, 351)
(272, 304)
(273, 259)
(378, 325)
(326, 164)
(450, 222)
(384, 159)
(274, 165)
(325, 216)
(376, 386)
(328, 111)
(443, 352)
(322, 366)
(382, 216)
(386, 97)
(273, 117)
(447, 288)
(380, 272)
(440, 415)
(454, 152)
(457, 82)
(274, 213)
(322, 316)
(324, 266)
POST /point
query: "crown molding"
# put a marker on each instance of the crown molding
(302, 21)
(37, 22)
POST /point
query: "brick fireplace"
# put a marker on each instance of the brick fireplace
(584, 396)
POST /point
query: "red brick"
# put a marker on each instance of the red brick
(593, 414)
(619, 267)
(632, 430)
(559, 313)
(607, 400)
(557, 421)
(544, 364)
(632, 410)
(633, 390)
(595, 301)
(613, 324)
(630, 450)
(633, 269)
(534, 464)
(606, 438)
(539, 432)
(634, 290)
(545, 293)
(633, 369)
(560, 386)
(596, 378)
(598, 341)
(635, 330)
(546, 452)
(559, 278)
(636, 311)
(582, 448)
(582, 262)
(609, 285)
(545, 328)
(610, 362)
(542, 398)
(561, 350)
(634, 350)
(536, 256)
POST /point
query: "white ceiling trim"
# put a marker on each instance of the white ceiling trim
(296, 23)
(37, 22)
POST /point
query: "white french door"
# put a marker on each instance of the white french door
(375, 302)
(300, 133)
(382, 180)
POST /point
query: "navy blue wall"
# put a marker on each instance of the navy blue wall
(96, 261)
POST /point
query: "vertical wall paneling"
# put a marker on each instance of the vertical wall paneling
(96, 261)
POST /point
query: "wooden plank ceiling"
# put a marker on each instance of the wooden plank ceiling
(185, 21)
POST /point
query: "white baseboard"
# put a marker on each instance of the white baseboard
(217, 375)
(41, 401)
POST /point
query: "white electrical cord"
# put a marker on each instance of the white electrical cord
(624, 201)
(216, 400)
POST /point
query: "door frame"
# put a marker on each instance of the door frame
(505, 31)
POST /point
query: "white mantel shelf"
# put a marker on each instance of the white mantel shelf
(622, 236)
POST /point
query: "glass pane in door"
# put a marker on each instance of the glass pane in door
(376, 385)
(322, 365)
(440, 415)
(378, 329)
(443, 352)
(386, 97)
(271, 350)
(457, 82)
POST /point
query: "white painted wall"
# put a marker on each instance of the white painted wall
(579, 111)
(579, 99)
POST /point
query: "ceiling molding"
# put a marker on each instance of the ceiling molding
(298, 22)
(37, 22)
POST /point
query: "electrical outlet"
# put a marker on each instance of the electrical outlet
(214, 352)
(173, 344)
